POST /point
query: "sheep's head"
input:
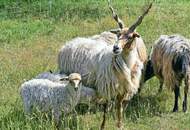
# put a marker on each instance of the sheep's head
(125, 41)
(74, 79)
(149, 71)
(125, 35)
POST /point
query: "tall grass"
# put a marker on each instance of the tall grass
(67, 9)
(32, 31)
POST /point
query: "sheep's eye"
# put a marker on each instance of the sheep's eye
(129, 39)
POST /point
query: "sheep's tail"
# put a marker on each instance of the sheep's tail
(181, 66)
(187, 79)
(181, 63)
(186, 68)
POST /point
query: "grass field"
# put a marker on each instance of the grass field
(32, 32)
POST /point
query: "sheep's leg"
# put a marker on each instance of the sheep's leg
(176, 92)
(104, 116)
(185, 95)
(185, 101)
(27, 107)
(119, 107)
(125, 104)
(56, 117)
(161, 86)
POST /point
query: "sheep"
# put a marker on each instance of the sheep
(115, 70)
(47, 95)
(88, 95)
(170, 63)
(53, 76)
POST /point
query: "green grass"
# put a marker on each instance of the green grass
(32, 32)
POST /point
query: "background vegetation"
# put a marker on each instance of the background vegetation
(32, 32)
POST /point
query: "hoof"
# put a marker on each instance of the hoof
(102, 128)
(175, 110)
(120, 126)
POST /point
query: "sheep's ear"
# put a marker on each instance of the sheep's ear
(50, 71)
(115, 31)
(64, 78)
(135, 34)
(84, 75)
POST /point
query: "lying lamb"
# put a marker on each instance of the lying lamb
(47, 95)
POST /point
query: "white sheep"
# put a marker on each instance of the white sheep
(114, 71)
(170, 62)
(88, 95)
(47, 95)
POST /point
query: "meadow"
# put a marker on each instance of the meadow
(33, 31)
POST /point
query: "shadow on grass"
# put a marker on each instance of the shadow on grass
(141, 106)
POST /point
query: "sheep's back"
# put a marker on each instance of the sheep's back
(55, 77)
(107, 37)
